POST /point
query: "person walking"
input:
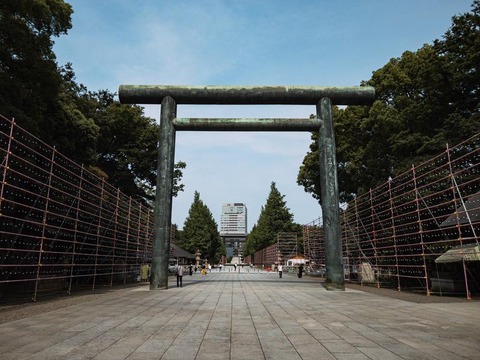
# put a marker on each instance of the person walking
(280, 270)
(179, 274)
(300, 270)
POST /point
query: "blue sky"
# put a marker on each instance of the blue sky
(244, 42)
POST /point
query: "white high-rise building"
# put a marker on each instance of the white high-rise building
(233, 227)
(234, 219)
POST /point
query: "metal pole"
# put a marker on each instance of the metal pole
(344, 229)
(99, 225)
(127, 245)
(75, 234)
(356, 236)
(394, 233)
(146, 251)
(420, 229)
(330, 198)
(44, 224)
(374, 239)
(113, 250)
(6, 161)
(163, 195)
(456, 204)
(139, 235)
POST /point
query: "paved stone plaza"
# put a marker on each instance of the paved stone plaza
(246, 316)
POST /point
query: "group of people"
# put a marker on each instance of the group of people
(191, 268)
(280, 271)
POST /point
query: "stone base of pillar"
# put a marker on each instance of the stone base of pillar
(334, 287)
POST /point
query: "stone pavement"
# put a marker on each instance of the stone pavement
(246, 316)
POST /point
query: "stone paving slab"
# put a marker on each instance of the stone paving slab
(247, 316)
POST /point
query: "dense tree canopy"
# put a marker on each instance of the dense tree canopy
(274, 217)
(200, 232)
(29, 79)
(114, 140)
(425, 99)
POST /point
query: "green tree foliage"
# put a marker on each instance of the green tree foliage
(114, 140)
(127, 147)
(249, 247)
(178, 238)
(33, 90)
(274, 217)
(459, 51)
(77, 134)
(200, 232)
(29, 80)
(425, 99)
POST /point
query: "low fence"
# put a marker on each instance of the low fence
(61, 226)
(395, 234)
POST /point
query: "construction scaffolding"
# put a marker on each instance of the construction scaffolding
(394, 234)
(287, 246)
(266, 258)
(314, 247)
(61, 226)
(279, 252)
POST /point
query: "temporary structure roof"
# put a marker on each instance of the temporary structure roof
(467, 213)
(470, 252)
(177, 251)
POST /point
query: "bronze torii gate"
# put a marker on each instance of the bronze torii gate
(322, 97)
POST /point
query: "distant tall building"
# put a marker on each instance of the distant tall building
(234, 219)
(233, 227)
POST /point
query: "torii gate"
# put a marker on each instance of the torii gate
(322, 97)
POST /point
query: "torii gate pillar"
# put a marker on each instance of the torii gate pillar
(330, 198)
(322, 97)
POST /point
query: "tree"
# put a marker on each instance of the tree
(200, 232)
(425, 99)
(275, 217)
(111, 139)
(127, 150)
(459, 51)
(250, 246)
(116, 140)
(32, 89)
(29, 81)
(76, 133)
